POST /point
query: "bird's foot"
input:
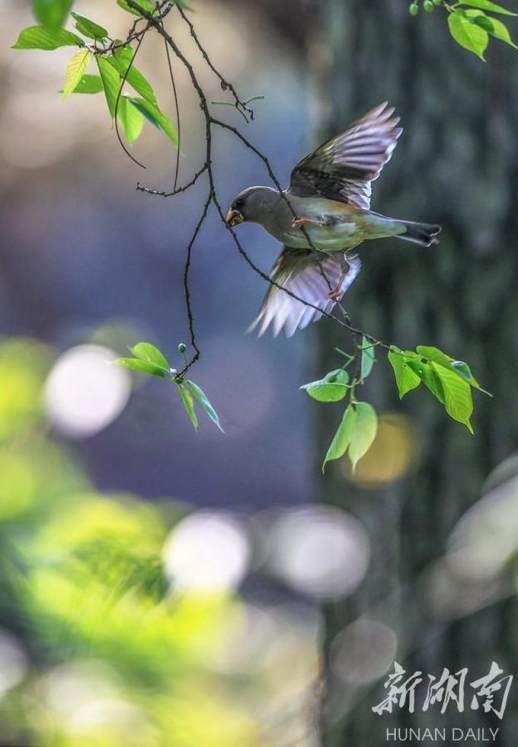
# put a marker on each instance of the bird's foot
(298, 222)
(336, 294)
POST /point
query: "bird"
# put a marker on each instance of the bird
(321, 218)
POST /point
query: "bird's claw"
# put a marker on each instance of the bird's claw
(298, 222)
(335, 295)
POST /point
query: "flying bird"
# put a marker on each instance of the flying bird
(322, 217)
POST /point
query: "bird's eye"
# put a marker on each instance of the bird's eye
(238, 204)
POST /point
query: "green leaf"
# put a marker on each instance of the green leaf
(467, 34)
(150, 353)
(131, 119)
(501, 32)
(458, 400)
(89, 28)
(342, 437)
(200, 396)
(323, 391)
(480, 19)
(111, 82)
(332, 388)
(89, 84)
(155, 116)
(368, 358)
(488, 5)
(188, 404)
(460, 367)
(144, 367)
(51, 13)
(338, 376)
(37, 37)
(493, 26)
(144, 4)
(365, 427)
(465, 371)
(406, 379)
(76, 68)
(434, 354)
(121, 60)
(428, 376)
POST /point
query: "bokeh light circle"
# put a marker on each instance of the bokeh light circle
(207, 551)
(319, 550)
(85, 392)
(363, 651)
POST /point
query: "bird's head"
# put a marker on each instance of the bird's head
(251, 205)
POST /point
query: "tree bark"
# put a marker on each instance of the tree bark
(456, 164)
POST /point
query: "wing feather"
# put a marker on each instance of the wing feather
(343, 168)
(310, 276)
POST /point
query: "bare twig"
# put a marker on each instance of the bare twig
(149, 191)
(177, 109)
(242, 106)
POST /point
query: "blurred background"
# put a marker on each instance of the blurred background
(169, 588)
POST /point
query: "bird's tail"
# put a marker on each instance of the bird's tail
(425, 234)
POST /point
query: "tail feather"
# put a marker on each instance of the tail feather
(425, 234)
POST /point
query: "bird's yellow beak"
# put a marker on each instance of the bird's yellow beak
(233, 218)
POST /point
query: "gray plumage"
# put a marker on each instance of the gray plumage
(329, 193)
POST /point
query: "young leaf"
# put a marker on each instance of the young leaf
(458, 400)
(342, 437)
(338, 376)
(89, 84)
(368, 358)
(501, 32)
(121, 61)
(460, 367)
(131, 119)
(38, 37)
(200, 396)
(147, 352)
(111, 82)
(467, 34)
(75, 71)
(365, 427)
(324, 391)
(488, 5)
(480, 19)
(493, 26)
(144, 367)
(428, 376)
(146, 5)
(406, 379)
(188, 404)
(51, 13)
(155, 116)
(434, 354)
(89, 28)
(465, 371)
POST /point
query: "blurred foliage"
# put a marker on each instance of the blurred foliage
(103, 652)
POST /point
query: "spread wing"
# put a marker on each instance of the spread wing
(310, 276)
(343, 168)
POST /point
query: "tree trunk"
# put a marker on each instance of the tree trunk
(456, 164)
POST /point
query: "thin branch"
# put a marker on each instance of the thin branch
(116, 115)
(242, 106)
(187, 291)
(179, 190)
(177, 109)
